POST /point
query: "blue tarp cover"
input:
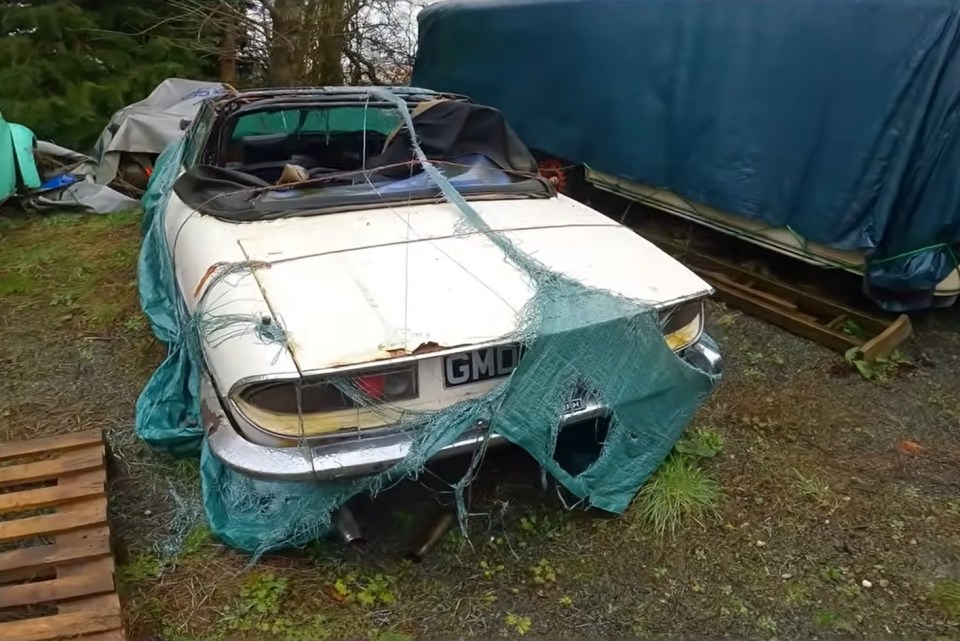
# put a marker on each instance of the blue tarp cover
(836, 118)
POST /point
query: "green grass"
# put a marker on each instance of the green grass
(78, 269)
(679, 492)
(141, 568)
(197, 543)
(946, 594)
(529, 568)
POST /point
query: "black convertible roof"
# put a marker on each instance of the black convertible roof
(446, 127)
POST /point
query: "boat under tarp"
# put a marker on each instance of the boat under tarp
(829, 124)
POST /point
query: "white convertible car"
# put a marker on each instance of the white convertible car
(351, 249)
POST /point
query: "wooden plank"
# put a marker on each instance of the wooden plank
(837, 322)
(882, 345)
(96, 603)
(92, 512)
(53, 443)
(53, 496)
(88, 458)
(769, 298)
(782, 318)
(60, 589)
(89, 544)
(60, 626)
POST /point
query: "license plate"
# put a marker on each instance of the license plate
(491, 363)
(480, 365)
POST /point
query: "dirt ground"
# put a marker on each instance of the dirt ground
(825, 528)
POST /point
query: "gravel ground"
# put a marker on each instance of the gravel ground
(825, 529)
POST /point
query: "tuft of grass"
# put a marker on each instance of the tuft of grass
(143, 567)
(815, 489)
(680, 490)
(832, 620)
(15, 283)
(197, 543)
(832, 574)
(946, 594)
(825, 618)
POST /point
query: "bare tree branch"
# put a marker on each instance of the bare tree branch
(305, 41)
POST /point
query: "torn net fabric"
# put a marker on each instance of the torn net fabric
(574, 337)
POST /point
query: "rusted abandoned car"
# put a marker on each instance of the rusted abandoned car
(367, 272)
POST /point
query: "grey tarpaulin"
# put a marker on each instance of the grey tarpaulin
(144, 128)
(82, 195)
(148, 126)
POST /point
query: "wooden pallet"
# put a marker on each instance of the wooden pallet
(56, 575)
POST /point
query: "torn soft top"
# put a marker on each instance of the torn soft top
(447, 129)
(464, 139)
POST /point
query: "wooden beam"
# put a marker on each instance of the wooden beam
(882, 345)
(87, 584)
(64, 442)
(61, 626)
(89, 513)
(88, 458)
(53, 496)
(777, 316)
(90, 544)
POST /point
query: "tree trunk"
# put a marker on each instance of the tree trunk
(286, 17)
(334, 41)
(228, 51)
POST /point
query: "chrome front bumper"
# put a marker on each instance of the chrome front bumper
(369, 454)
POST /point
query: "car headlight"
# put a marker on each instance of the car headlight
(683, 324)
(321, 407)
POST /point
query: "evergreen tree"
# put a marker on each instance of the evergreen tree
(67, 66)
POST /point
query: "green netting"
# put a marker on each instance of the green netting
(575, 337)
(316, 120)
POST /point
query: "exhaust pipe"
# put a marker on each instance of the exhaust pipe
(347, 527)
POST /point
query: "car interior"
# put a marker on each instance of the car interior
(266, 155)
(353, 156)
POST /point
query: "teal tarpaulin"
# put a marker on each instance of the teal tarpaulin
(837, 119)
(18, 169)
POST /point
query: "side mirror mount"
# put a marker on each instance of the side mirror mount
(185, 123)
